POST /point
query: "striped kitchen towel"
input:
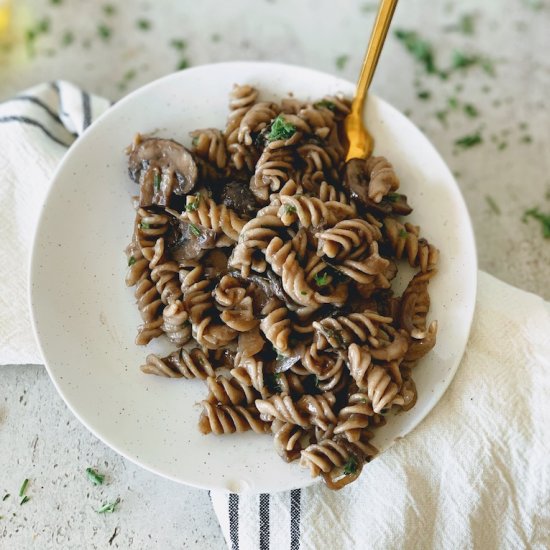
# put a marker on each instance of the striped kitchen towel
(36, 128)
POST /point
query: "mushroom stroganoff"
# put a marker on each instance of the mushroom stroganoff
(268, 262)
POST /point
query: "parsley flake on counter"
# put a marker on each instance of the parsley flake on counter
(143, 24)
(321, 279)
(492, 204)
(183, 64)
(67, 39)
(281, 129)
(466, 25)
(23, 487)
(178, 44)
(424, 95)
(109, 508)
(6, 496)
(350, 467)
(93, 476)
(341, 61)
(194, 230)
(526, 139)
(419, 48)
(24, 500)
(109, 9)
(103, 31)
(470, 110)
(31, 35)
(56, 2)
(469, 141)
(544, 220)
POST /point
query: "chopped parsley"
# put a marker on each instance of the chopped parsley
(544, 220)
(156, 181)
(281, 129)
(424, 95)
(334, 335)
(526, 139)
(393, 197)
(342, 61)
(143, 24)
(350, 467)
(131, 260)
(470, 110)
(452, 102)
(104, 32)
(6, 496)
(194, 230)
(461, 60)
(145, 225)
(289, 209)
(67, 39)
(55, 2)
(23, 487)
(403, 233)
(109, 9)
(178, 44)
(325, 103)
(109, 508)
(24, 500)
(419, 48)
(94, 477)
(192, 206)
(303, 292)
(272, 381)
(469, 141)
(466, 25)
(321, 279)
(183, 64)
(492, 204)
(41, 27)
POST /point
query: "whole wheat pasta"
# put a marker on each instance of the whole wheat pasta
(269, 263)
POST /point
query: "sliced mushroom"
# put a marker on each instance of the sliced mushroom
(238, 197)
(162, 167)
(188, 241)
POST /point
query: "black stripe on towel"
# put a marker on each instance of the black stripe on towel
(264, 521)
(87, 110)
(40, 103)
(31, 122)
(234, 520)
(295, 497)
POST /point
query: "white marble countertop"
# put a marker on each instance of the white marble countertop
(111, 47)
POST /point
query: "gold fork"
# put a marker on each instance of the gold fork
(360, 141)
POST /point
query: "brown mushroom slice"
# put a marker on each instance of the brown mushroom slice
(162, 167)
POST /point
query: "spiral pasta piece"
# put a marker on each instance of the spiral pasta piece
(311, 211)
(287, 439)
(229, 391)
(341, 331)
(209, 144)
(348, 239)
(201, 210)
(180, 364)
(404, 240)
(227, 419)
(276, 324)
(242, 98)
(382, 178)
(355, 417)
(274, 168)
(176, 323)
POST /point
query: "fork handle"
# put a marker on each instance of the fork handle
(378, 36)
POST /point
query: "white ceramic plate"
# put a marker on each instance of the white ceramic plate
(85, 318)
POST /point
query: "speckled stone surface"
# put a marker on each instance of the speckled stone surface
(504, 175)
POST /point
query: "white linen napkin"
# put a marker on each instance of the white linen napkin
(474, 474)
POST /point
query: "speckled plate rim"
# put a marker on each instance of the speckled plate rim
(36, 286)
